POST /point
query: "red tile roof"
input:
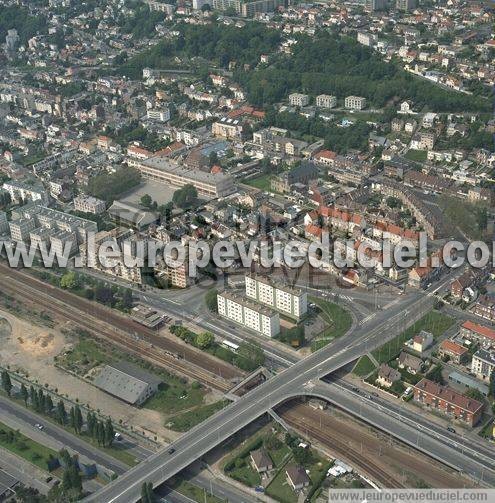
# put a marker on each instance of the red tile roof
(453, 347)
(479, 329)
(449, 395)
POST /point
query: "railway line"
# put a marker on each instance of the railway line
(297, 420)
(159, 350)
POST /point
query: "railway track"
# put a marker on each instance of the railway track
(154, 348)
(298, 421)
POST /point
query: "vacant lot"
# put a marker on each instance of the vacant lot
(434, 322)
(337, 320)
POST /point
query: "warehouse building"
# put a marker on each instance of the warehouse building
(127, 382)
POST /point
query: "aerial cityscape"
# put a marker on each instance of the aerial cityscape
(247, 251)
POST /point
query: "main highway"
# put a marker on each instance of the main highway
(292, 381)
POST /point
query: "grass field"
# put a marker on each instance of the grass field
(434, 322)
(416, 155)
(187, 420)
(260, 182)
(24, 447)
(176, 396)
(363, 367)
(337, 319)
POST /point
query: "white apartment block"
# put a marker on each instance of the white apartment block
(89, 204)
(31, 216)
(248, 314)
(355, 102)
(4, 224)
(21, 229)
(482, 364)
(20, 191)
(298, 99)
(326, 101)
(158, 114)
(290, 301)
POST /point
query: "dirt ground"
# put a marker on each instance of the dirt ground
(31, 349)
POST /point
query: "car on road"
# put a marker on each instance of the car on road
(171, 450)
(449, 428)
(39, 426)
(118, 436)
(49, 479)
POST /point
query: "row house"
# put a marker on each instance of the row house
(485, 307)
(448, 401)
(478, 333)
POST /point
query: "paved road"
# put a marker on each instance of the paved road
(62, 436)
(222, 425)
(422, 435)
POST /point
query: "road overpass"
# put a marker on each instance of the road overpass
(289, 383)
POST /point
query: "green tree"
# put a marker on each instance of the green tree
(185, 197)
(109, 433)
(24, 394)
(211, 300)
(61, 413)
(69, 281)
(78, 419)
(205, 340)
(491, 388)
(6, 382)
(146, 200)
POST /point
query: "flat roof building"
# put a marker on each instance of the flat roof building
(167, 171)
(249, 314)
(290, 301)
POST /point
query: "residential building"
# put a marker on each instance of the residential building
(21, 228)
(249, 314)
(422, 341)
(128, 382)
(375, 5)
(89, 204)
(168, 172)
(387, 376)
(405, 5)
(34, 215)
(228, 128)
(485, 307)
(121, 264)
(448, 401)
(427, 140)
(483, 363)
(326, 101)
(355, 102)
(177, 273)
(4, 224)
(297, 477)
(457, 353)
(261, 460)
(479, 333)
(249, 8)
(290, 301)
(298, 99)
(158, 114)
(409, 362)
(22, 192)
(304, 173)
